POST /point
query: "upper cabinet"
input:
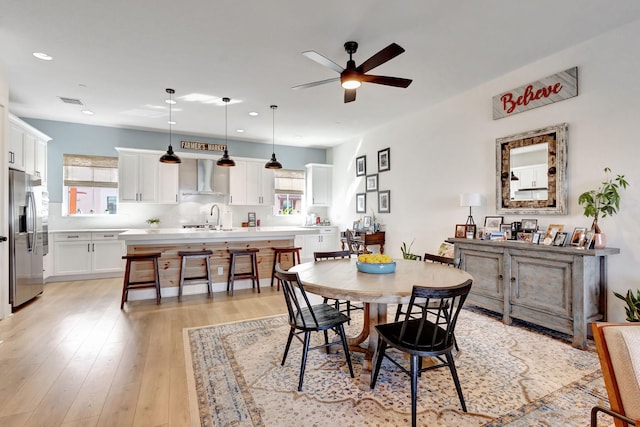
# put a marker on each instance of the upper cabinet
(250, 184)
(318, 183)
(143, 179)
(27, 148)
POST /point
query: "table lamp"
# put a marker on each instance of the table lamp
(470, 200)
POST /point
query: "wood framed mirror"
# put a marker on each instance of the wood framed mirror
(531, 172)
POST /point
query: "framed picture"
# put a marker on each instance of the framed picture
(372, 182)
(506, 229)
(470, 231)
(461, 231)
(550, 235)
(587, 242)
(577, 238)
(361, 203)
(384, 160)
(529, 224)
(366, 222)
(384, 201)
(560, 239)
(492, 223)
(524, 236)
(361, 166)
(356, 225)
(536, 237)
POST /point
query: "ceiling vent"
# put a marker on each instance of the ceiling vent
(70, 100)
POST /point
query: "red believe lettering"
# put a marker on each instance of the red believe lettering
(508, 104)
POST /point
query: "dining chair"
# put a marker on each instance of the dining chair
(355, 244)
(305, 318)
(323, 256)
(618, 346)
(430, 335)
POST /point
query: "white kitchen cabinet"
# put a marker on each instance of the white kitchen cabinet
(168, 182)
(250, 184)
(41, 160)
(325, 240)
(27, 148)
(29, 154)
(318, 184)
(88, 253)
(139, 180)
(16, 147)
(532, 177)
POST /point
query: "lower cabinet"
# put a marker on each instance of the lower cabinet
(326, 240)
(88, 253)
(560, 288)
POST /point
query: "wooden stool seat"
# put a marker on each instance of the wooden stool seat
(253, 274)
(277, 259)
(184, 256)
(128, 284)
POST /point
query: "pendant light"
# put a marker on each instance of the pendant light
(225, 160)
(169, 156)
(273, 163)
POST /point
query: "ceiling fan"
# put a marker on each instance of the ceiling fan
(352, 77)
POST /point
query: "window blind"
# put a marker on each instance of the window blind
(90, 171)
(289, 181)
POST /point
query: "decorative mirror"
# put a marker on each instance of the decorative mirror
(531, 172)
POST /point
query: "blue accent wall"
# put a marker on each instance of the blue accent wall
(73, 138)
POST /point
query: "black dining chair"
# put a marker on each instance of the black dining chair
(305, 318)
(430, 335)
(323, 256)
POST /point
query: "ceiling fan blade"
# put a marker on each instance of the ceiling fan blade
(384, 80)
(318, 83)
(349, 95)
(315, 56)
(380, 58)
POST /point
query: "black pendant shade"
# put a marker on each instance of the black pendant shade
(273, 163)
(170, 156)
(225, 160)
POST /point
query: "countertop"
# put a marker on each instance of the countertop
(192, 235)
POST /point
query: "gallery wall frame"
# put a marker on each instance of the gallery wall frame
(372, 182)
(361, 202)
(361, 166)
(384, 201)
(384, 160)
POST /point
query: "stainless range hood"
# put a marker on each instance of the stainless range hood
(203, 177)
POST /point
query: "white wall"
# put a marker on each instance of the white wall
(443, 151)
(5, 308)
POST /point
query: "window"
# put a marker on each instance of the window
(289, 188)
(90, 184)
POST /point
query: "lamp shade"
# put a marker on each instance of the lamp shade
(470, 199)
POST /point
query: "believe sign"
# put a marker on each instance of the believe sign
(558, 87)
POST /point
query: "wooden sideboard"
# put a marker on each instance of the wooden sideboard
(560, 288)
(368, 239)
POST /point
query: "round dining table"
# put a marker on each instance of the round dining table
(340, 279)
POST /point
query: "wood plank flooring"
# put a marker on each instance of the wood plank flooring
(73, 358)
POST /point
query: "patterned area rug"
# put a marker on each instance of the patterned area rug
(510, 376)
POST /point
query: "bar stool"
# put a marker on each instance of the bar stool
(277, 258)
(253, 274)
(184, 256)
(128, 284)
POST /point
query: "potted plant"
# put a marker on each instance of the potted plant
(406, 251)
(633, 305)
(603, 201)
(153, 222)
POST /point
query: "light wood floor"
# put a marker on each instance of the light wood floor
(73, 358)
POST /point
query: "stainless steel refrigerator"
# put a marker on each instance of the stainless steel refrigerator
(28, 240)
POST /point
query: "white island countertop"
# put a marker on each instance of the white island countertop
(194, 235)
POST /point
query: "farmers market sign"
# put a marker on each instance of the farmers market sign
(557, 87)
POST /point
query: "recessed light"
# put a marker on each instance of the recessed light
(240, 130)
(43, 56)
(253, 113)
(88, 112)
(171, 122)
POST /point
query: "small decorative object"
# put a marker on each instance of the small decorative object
(587, 243)
(251, 219)
(372, 182)
(497, 235)
(506, 229)
(550, 235)
(603, 201)
(470, 231)
(529, 225)
(384, 201)
(361, 166)
(361, 202)
(492, 223)
(633, 305)
(560, 239)
(366, 222)
(524, 236)
(375, 264)
(470, 200)
(577, 238)
(536, 237)
(384, 160)
(153, 222)
(461, 231)
(406, 251)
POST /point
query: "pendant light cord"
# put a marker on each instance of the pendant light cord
(273, 140)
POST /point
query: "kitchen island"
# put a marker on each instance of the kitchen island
(170, 241)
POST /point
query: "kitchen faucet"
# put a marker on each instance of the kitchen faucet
(215, 207)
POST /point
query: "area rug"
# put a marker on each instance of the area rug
(510, 376)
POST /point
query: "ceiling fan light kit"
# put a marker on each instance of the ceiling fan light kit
(225, 160)
(273, 163)
(352, 77)
(170, 156)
